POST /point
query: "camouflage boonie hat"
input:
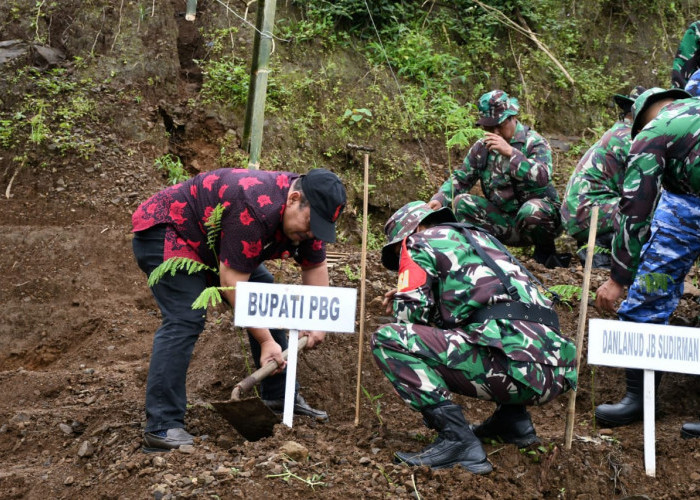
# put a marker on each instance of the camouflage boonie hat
(496, 106)
(693, 85)
(625, 102)
(404, 222)
(649, 97)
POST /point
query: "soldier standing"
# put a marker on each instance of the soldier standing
(513, 163)
(665, 152)
(456, 286)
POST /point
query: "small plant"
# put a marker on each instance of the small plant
(537, 453)
(172, 166)
(375, 400)
(567, 293)
(357, 116)
(350, 274)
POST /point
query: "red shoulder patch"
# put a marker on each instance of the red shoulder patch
(411, 275)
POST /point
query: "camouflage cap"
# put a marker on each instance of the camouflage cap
(693, 85)
(625, 102)
(649, 97)
(496, 106)
(404, 222)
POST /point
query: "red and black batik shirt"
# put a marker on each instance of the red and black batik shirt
(251, 223)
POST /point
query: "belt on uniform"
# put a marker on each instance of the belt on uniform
(517, 311)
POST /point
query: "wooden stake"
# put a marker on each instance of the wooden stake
(571, 411)
(363, 267)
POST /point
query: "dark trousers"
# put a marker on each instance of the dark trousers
(173, 342)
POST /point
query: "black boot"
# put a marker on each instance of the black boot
(508, 424)
(690, 430)
(456, 444)
(631, 408)
(546, 254)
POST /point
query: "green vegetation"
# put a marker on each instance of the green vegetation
(375, 403)
(172, 166)
(52, 112)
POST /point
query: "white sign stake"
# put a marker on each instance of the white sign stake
(290, 381)
(649, 423)
(649, 347)
(296, 307)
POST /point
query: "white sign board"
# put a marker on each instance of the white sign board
(645, 346)
(295, 307)
(650, 347)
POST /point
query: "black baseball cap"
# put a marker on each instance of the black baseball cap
(326, 195)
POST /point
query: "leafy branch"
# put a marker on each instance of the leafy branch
(175, 264)
(653, 282)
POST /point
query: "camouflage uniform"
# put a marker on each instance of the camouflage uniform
(433, 349)
(687, 59)
(520, 205)
(666, 152)
(597, 180)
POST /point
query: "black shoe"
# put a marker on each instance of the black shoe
(456, 444)
(508, 424)
(690, 430)
(546, 254)
(301, 407)
(173, 439)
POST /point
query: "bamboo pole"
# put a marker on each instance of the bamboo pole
(363, 268)
(571, 411)
(191, 12)
(259, 70)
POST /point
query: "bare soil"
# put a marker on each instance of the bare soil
(75, 335)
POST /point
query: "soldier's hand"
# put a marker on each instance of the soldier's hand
(495, 142)
(388, 300)
(607, 295)
(434, 204)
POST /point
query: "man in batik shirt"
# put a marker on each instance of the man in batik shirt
(597, 181)
(655, 238)
(513, 165)
(261, 216)
(467, 326)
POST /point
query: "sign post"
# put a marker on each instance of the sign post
(649, 347)
(294, 307)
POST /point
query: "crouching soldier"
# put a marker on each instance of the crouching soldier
(456, 286)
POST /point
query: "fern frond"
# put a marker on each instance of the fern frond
(175, 264)
(213, 224)
(210, 296)
(653, 282)
(568, 292)
(597, 249)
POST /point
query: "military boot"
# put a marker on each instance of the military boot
(545, 253)
(508, 424)
(631, 408)
(690, 430)
(456, 444)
